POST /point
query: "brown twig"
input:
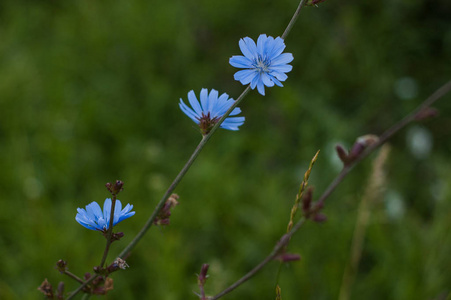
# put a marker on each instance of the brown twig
(443, 90)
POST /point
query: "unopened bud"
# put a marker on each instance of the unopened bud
(202, 277)
(361, 144)
(115, 188)
(342, 153)
(307, 201)
(60, 291)
(61, 266)
(46, 288)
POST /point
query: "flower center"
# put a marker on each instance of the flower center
(206, 123)
(262, 64)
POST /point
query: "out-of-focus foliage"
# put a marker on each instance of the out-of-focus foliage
(89, 93)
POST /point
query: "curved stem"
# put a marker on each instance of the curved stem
(446, 88)
(72, 295)
(263, 263)
(443, 90)
(293, 20)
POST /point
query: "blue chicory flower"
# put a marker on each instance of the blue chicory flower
(93, 218)
(264, 62)
(210, 109)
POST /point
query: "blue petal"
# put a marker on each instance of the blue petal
(281, 68)
(194, 103)
(267, 80)
(282, 59)
(93, 211)
(261, 43)
(261, 87)
(240, 61)
(279, 75)
(248, 47)
(214, 106)
(278, 46)
(246, 76)
(255, 80)
(235, 111)
(107, 211)
(204, 101)
(213, 101)
(277, 82)
(188, 111)
(93, 218)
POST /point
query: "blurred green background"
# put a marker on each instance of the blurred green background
(89, 93)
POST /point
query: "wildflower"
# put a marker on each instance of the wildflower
(93, 218)
(264, 62)
(210, 109)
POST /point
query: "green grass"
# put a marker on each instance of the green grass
(89, 93)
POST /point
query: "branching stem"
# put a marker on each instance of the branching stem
(446, 88)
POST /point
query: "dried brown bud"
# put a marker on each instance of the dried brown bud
(46, 288)
(115, 188)
(165, 213)
(103, 290)
(61, 266)
(87, 276)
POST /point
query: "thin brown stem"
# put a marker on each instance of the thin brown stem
(446, 88)
(179, 177)
(439, 93)
(279, 246)
(73, 276)
(293, 19)
(81, 287)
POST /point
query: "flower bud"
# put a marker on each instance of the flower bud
(60, 291)
(342, 154)
(61, 266)
(115, 188)
(46, 288)
(202, 277)
(307, 201)
(361, 144)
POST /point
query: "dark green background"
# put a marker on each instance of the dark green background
(89, 93)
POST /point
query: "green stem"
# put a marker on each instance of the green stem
(179, 177)
(72, 295)
(293, 19)
(73, 276)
